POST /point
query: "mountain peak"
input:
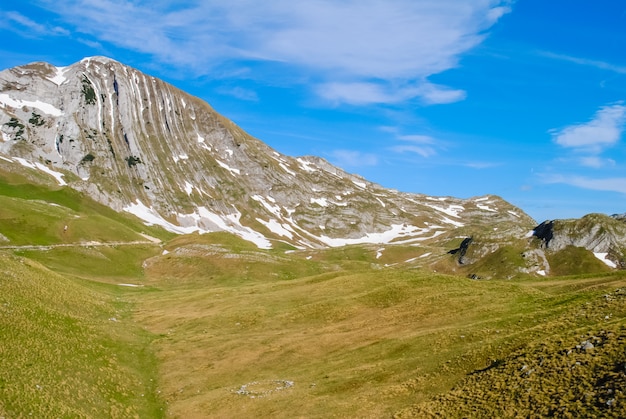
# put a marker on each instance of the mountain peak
(138, 144)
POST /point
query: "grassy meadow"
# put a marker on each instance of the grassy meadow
(212, 327)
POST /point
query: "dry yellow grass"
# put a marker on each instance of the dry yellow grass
(366, 343)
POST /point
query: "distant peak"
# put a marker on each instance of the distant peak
(99, 59)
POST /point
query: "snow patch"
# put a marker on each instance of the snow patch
(180, 157)
(286, 169)
(396, 231)
(200, 138)
(361, 185)
(486, 208)
(454, 223)
(379, 253)
(201, 221)
(6, 100)
(322, 202)
(227, 167)
(58, 176)
(603, 258)
(277, 228)
(305, 165)
(59, 77)
(451, 210)
(188, 188)
(274, 209)
(514, 214)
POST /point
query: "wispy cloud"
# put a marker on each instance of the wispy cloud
(482, 165)
(607, 184)
(241, 93)
(29, 27)
(423, 145)
(604, 130)
(586, 62)
(353, 158)
(596, 162)
(359, 51)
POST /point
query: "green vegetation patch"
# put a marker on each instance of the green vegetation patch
(574, 261)
(68, 351)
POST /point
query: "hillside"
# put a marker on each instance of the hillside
(237, 330)
(156, 261)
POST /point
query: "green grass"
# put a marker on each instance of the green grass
(219, 328)
(355, 343)
(37, 214)
(69, 351)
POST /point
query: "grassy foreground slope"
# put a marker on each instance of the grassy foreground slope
(46, 214)
(219, 328)
(67, 350)
(352, 339)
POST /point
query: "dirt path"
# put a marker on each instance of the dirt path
(81, 244)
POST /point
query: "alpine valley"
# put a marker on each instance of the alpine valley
(179, 267)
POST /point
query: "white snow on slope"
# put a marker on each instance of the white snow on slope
(286, 169)
(274, 209)
(59, 77)
(451, 210)
(486, 208)
(151, 217)
(602, 257)
(58, 176)
(6, 100)
(397, 230)
(201, 221)
(361, 185)
(305, 165)
(277, 228)
(322, 202)
(188, 188)
(227, 167)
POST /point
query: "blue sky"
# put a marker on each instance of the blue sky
(524, 99)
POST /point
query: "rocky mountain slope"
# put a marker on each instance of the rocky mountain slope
(139, 144)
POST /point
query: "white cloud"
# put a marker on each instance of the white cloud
(352, 158)
(380, 50)
(586, 62)
(607, 184)
(32, 27)
(604, 130)
(596, 162)
(423, 151)
(424, 145)
(482, 165)
(434, 94)
(241, 93)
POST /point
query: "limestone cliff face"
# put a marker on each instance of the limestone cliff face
(136, 143)
(597, 233)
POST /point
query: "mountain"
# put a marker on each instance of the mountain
(138, 144)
